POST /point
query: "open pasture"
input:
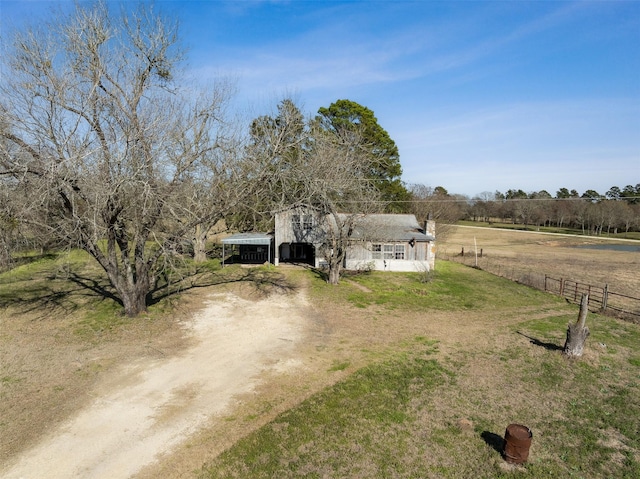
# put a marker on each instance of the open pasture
(521, 254)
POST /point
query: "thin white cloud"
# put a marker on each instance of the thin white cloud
(518, 144)
(529, 145)
(336, 54)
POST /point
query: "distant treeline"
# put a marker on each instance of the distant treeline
(618, 210)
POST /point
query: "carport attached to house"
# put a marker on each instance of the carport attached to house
(253, 247)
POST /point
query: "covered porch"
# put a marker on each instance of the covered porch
(248, 248)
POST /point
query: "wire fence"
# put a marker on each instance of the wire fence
(601, 299)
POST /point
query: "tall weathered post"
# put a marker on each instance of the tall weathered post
(577, 333)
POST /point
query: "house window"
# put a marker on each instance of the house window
(387, 251)
(307, 222)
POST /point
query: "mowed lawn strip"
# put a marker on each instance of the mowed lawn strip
(420, 413)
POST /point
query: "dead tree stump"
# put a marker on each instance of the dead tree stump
(578, 332)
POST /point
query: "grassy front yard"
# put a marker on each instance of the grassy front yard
(432, 407)
(398, 377)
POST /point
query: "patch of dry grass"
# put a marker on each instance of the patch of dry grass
(493, 374)
(51, 356)
(555, 255)
(48, 371)
(498, 364)
(529, 256)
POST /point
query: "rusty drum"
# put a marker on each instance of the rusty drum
(517, 441)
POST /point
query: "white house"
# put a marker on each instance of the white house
(386, 242)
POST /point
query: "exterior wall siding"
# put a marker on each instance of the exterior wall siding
(305, 227)
(397, 265)
(291, 226)
(417, 258)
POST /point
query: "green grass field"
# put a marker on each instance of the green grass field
(419, 413)
(430, 373)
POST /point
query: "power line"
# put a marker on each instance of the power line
(499, 201)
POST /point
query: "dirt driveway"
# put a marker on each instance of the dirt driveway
(151, 406)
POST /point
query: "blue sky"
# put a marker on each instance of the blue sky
(478, 95)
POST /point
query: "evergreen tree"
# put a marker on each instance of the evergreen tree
(348, 116)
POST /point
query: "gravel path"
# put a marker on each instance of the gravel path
(150, 407)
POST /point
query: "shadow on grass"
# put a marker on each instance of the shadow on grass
(21, 260)
(265, 281)
(100, 287)
(323, 273)
(51, 294)
(542, 344)
(319, 273)
(494, 440)
(42, 296)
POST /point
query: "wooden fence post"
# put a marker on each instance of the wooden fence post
(605, 297)
(562, 287)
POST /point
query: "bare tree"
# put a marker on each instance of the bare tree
(438, 204)
(562, 212)
(8, 226)
(273, 156)
(614, 212)
(630, 216)
(217, 189)
(107, 140)
(483, 207)
(336, 185)
(580, 213)
(303, 164)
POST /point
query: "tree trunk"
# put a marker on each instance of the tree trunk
(578, 332)
(5, 255)
(134, 300)
(134, 294)
(334, 273)
(132, 288)
(199, 245)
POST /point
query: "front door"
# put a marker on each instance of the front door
(301, 253)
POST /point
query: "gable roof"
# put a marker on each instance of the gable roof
(389, 227)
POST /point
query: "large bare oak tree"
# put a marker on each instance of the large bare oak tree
(97, 128)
